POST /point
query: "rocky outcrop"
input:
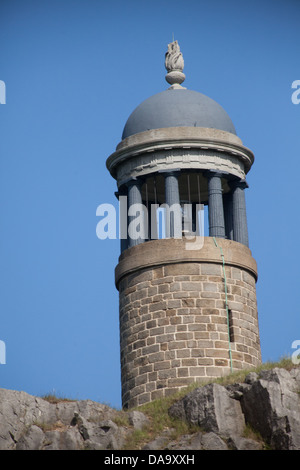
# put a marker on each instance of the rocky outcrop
(269, 403)
(28, 422)
(213, 409)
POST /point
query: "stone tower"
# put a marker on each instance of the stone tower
(187, 302)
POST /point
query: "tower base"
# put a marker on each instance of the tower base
(185, 315)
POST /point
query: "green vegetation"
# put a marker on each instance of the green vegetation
(160, 421)
(250, 433)
(239, 376)
(157, 411)
(57, 426)
(54, 398)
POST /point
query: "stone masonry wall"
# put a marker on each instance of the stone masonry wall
(174, 331)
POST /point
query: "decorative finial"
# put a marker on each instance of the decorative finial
(174, 64)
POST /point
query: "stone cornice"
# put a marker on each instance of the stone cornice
(179, 138)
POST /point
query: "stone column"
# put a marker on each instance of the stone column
(136, 215)
(153, 232)
(239, 217)
(227, 202)
(215, 205)
(123, 217)
(173, 208)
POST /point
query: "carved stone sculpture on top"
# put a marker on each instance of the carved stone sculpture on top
(174, 64)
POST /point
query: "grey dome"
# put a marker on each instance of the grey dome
(177, 108)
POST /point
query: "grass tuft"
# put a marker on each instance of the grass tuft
(54, 398)
(160, 421)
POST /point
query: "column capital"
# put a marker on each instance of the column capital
(215, 173)
(134, 182)
(238, 183)
(172, 172)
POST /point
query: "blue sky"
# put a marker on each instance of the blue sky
(74, 71)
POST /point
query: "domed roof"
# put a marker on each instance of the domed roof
(176, 107)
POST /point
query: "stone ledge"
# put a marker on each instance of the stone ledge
(157, 253)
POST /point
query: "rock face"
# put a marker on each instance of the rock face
(272, 406)
(212, 408)
(28, 422)
(269, 403)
